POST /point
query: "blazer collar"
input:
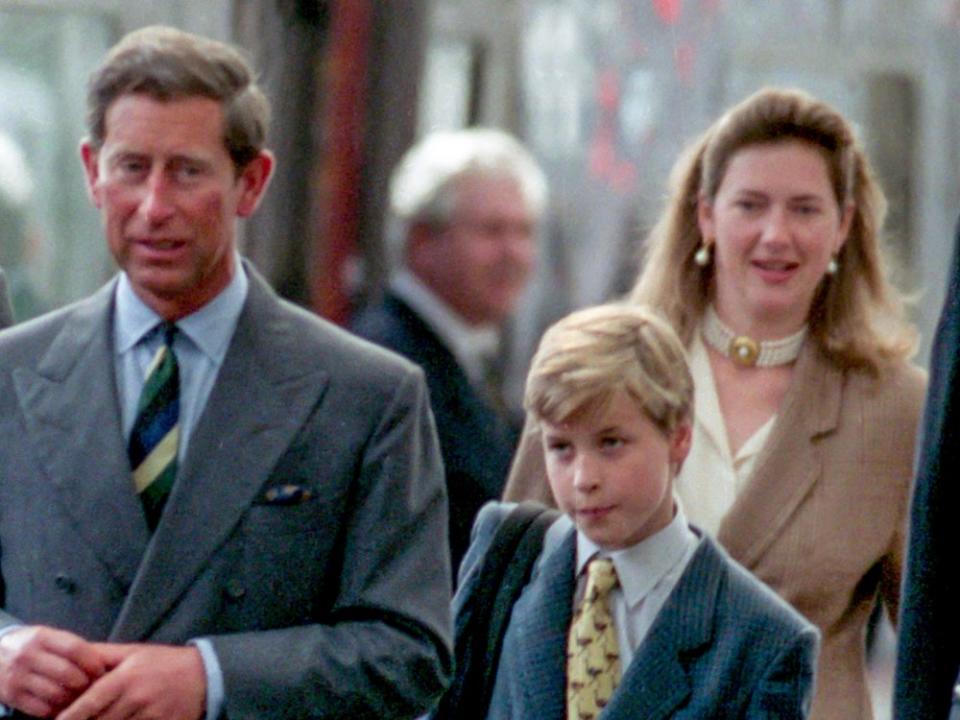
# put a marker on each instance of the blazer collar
(657, 682)
(790, 463)
(71, 409)
(263, 394)
(543, 614)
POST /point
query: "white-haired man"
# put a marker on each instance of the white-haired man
(464, 209)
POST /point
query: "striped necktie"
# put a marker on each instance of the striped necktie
(155, 435)
(593, 656)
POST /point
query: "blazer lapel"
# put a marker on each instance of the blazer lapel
(262, 396)
(789, 465)
(656, 682)
(543, 615)
(71, 408)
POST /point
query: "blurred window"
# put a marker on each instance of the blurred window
(51, 246)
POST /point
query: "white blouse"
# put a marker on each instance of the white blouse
(711, 478)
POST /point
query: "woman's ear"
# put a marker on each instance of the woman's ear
(846, 222)
(705, 218)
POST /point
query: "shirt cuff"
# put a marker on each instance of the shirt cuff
(211, 666)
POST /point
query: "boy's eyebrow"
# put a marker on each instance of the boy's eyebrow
(609, 429)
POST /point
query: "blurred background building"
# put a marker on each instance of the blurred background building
(606, 92)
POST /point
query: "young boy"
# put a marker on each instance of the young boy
(629, 609)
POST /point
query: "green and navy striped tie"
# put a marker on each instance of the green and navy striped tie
(156, 432)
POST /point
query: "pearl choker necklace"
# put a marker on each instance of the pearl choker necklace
(746, 351)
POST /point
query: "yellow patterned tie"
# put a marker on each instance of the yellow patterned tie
(593, 658)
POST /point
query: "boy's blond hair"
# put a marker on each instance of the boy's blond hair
(586, 358)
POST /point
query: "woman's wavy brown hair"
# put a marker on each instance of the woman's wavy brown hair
(857, 316)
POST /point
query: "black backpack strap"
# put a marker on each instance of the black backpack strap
(505, 571)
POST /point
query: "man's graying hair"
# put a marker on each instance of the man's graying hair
(424, 186)
(169, 64)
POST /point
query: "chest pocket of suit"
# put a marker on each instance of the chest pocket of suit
(301, 512)
(276, 537)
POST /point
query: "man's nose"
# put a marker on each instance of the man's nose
(156, 205)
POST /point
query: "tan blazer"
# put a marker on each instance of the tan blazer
(822, 519)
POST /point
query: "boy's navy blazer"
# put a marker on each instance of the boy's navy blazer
(723, 646)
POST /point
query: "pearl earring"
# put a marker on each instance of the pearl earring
(702, 256)
(832, 266)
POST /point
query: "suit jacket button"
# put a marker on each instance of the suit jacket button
(65, 583)
(234, 590)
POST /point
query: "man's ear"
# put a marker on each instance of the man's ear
(254, 179)
(91, 170)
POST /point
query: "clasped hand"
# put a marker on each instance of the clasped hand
(53, 673)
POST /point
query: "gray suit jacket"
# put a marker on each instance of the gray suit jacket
(723, 646)
(6, 310)
(334, 606)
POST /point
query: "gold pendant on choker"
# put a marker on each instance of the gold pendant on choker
(744, 351)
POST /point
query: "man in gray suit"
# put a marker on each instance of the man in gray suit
(6, 311)
(212, 504)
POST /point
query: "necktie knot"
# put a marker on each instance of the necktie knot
(169, 332)
(601, 578)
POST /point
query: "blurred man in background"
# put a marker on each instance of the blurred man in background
(462, 226)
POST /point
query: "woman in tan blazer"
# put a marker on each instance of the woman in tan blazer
(766, 260)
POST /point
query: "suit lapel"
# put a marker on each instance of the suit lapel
(261, 398)
(71, 408)
(543, 615)
(656, 682)
(790, 462)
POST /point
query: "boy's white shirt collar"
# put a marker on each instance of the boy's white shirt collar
(642, 566)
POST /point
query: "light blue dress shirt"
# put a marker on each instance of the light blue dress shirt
(200, 347)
